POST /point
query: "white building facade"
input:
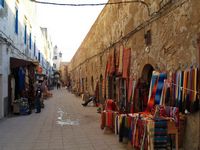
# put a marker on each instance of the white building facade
(19, 38)
(57, 58)
(45, 51)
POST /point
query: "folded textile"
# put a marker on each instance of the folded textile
(160, 134)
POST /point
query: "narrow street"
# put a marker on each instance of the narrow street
(43, 132)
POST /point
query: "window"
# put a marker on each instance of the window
(55, 57)
(1, 3)
(60, 54)
(39, 56)
(16, 20)
(34, 48)
(30, 41)
(147, 38)
(42, 61)
(25, 34)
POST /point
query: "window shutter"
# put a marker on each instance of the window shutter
(30, 41)
(25, 34)
(34, 48)
(2, 3)
(16, 21)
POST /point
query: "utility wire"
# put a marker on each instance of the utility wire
(89, 4)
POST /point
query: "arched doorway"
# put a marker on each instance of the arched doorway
(92, 83)
(147, 73)
(82, 85)
(144, 84)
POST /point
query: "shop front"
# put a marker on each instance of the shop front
(21, 86)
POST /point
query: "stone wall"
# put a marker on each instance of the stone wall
(174, 31)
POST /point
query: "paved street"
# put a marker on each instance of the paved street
(42, 131)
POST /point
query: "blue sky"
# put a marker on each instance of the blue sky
(68, 25)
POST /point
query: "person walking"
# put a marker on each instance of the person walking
(38, 95)
(58, 84)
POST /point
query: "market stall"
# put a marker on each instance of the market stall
(149, 115)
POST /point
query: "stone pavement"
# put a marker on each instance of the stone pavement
(42, 131)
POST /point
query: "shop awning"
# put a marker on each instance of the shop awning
(15, 62)
(36, 63)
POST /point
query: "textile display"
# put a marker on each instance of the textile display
(108, 119)
(151, 101)
(21, 76)
(132, 94)
(183, 88)
(117, 56)
(150, 134)
(160, 134)
(103, 88)
(117, 91)
(130, 89)
(121, 50)
(109, 114)
(116, 125)
(110, 105)
(154, 78)
(124, 127)
(123, 95)
(126, 62)
(110, 69)
(166, 112)
(142, 130)
(165, 92)
(161, 78)
(145, 109)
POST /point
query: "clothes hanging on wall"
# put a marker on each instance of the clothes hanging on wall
(109, 114)
(121, 51)
(117, 57)
(112, 61)
(161, 78)
(132, 96)
(130, 89)
(123, 95)
(146, 127)
(21, 76)
(181, 91)
(154, 78)
(126, 62)
(124, 127)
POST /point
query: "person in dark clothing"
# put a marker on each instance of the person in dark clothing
(58, 85)
(38, 95)
(91, 98)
